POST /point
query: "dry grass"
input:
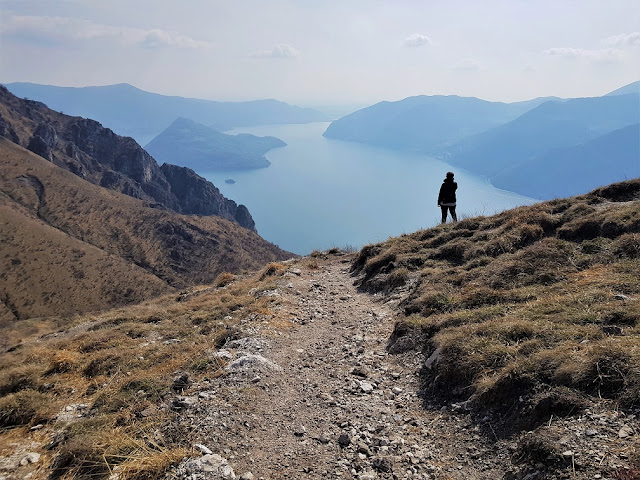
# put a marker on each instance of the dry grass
(533, 311)
(70, 247)
(121, 364)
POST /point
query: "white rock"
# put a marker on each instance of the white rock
(208, 467)
(251, 362)
(202, 449)
(366, 387)
(625, 431)
(31, 457)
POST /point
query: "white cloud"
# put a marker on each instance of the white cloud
(66, 29)
(598, 55)
(624, 40)
(467, 65)
(281, 50)
(416, 40)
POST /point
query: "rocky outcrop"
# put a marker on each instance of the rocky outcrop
(197, 195)
(97, 154)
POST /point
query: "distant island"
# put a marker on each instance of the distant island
(230, 181)
(205, 149)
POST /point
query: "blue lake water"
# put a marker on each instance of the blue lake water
(320, 193)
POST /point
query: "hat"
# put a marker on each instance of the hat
(449, 174)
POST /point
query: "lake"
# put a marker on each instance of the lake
(320, 193)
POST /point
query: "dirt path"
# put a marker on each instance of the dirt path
(335, 404)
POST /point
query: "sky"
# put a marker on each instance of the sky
(326, 52)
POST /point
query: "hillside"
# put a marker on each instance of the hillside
(498, 347)
(142, 115)
(95, 153)
(204, 149)
(549, 126)
(424, 123)
(573, 170)
(71, 246)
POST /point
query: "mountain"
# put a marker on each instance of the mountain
(98, 155)
(142, 115)
(631, 88)
(424, 123)
(570, 171)
(70, 246)
(204, 149)
(549, 126)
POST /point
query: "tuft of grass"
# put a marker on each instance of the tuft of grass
(273, 269)
(23, 408)
(224, 279)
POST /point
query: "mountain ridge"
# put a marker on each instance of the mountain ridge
(95, 153)
(130, 111)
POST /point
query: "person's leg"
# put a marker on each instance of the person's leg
(444, 213)
(453, 213)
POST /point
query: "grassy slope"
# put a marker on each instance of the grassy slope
(71, 246)
(528, 313)
(121, 365)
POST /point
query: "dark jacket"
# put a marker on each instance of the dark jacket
(447, 191)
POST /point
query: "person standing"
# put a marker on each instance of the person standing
(447, 197)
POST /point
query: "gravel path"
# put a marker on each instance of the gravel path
(333, 403)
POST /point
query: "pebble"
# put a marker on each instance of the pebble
(625, 431)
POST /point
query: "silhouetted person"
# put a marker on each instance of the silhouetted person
(447, 197)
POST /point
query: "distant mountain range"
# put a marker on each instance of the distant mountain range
(515, 144)
(425, 123)
(142, 115)
(204, 149)
(549, 126)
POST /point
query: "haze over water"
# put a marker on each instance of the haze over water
(320, 193)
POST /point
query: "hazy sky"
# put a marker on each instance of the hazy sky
(313, 52)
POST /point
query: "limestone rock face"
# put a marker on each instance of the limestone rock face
(199, 196)
(97, 154)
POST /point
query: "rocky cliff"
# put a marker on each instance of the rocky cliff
(98, 155)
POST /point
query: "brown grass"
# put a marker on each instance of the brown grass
(525, 302)
(121, 364)
(71, 247)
